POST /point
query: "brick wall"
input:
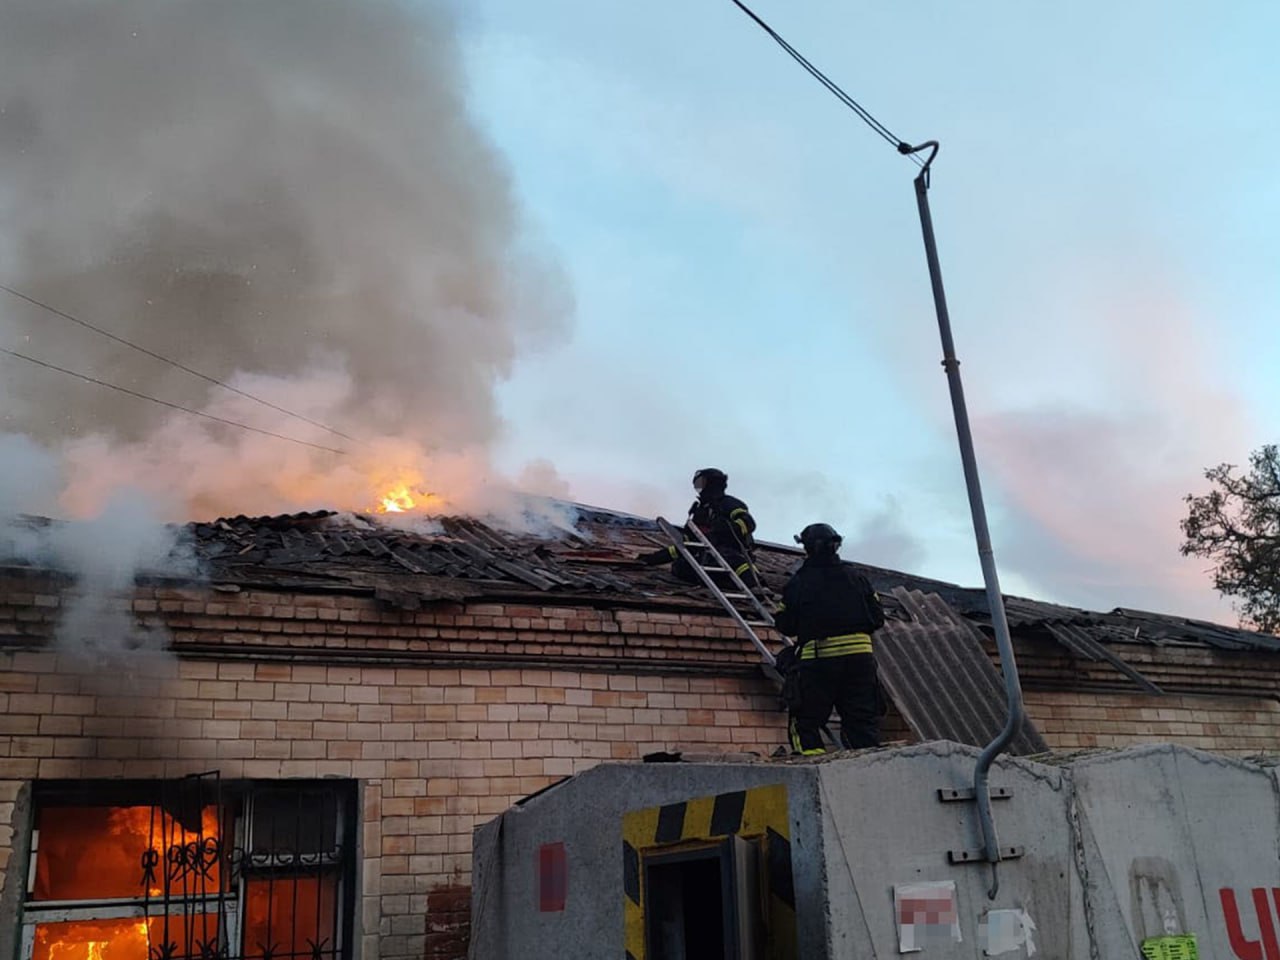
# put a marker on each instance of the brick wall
(1232, 725)
(439, 750)
(435, 713)
(428, 706)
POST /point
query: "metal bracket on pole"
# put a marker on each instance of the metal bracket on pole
(980, 856)
(961, 794)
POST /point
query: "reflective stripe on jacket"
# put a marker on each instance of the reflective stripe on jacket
(841, 646)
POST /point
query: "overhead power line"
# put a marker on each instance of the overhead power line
(173, 363)
(864, 114)
(1014, 718)
(166, 403)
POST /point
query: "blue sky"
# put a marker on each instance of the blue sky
(751, 290)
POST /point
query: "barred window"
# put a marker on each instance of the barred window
(195, 868)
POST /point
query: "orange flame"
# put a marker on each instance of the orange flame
(402, 498)
(123, 939)
(397, 500)
(89, 853)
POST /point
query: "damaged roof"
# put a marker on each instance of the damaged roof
(588, 552)
(934, 652)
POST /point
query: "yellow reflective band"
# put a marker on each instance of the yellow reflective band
(816, 751)
(734, 513)
(793, 735)
(842, 646)
(743, 569)
(742, 525)
(673, 551)
(779, 608)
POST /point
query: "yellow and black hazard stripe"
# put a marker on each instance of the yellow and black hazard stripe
(759, 813)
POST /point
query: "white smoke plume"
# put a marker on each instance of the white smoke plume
(289, 196)
(102, 554)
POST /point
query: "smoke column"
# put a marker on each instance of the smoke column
(284, 194)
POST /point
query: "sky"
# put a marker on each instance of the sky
(585, 248)
(750, 290)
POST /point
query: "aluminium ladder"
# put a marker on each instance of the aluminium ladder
(755, 617)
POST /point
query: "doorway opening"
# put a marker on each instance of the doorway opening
(702, 902)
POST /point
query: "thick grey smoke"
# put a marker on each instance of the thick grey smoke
(288, 194)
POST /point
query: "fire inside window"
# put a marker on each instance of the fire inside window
(195, 868)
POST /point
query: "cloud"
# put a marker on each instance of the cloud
(884, 539)
(1091, 487)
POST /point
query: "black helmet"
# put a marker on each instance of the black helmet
(711, 478)
(819, 538)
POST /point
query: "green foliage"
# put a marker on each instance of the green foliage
(1237, 526)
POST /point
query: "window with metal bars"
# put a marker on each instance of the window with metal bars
(191, 869)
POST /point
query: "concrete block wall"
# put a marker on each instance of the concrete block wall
(1115, 849)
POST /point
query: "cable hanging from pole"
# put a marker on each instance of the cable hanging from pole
(863, 113)
(1016, 716)
(173, 363)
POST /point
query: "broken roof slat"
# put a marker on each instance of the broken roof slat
(406, 561)
(1075, 639)
(471, 551)
(522, 573)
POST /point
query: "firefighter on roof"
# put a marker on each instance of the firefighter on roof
(724, 520)
(832, 611)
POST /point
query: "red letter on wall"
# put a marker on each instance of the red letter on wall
(1241, 946)
(553, 878)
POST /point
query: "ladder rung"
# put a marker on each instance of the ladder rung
(692, 543)
(715, 570)
(736, 596)
(759, 623)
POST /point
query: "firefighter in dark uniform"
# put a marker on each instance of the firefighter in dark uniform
(724, 520)
(832, 611)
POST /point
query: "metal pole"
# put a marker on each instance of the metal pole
(995, 599)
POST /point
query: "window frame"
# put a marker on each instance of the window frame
(237, 800)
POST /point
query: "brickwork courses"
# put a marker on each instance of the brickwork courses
(1236, 726)
(438, 748)
(448, 714)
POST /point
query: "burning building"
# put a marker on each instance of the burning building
(297, 770)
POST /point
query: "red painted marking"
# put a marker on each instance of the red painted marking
(1241, 946)
(1262, 905)
(553, 878)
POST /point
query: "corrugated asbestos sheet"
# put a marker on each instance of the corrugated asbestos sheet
(939, 675)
